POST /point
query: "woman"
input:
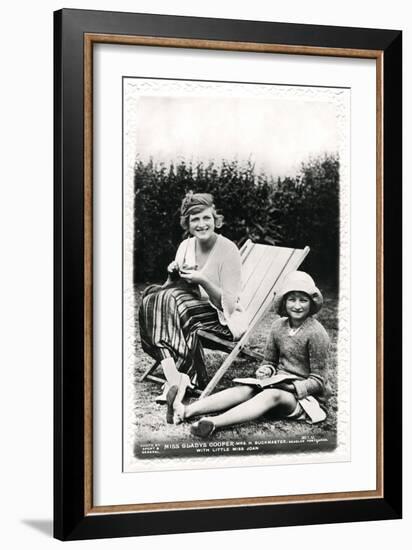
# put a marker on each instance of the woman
(201, 292)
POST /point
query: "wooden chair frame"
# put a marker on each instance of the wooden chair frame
(209, 340)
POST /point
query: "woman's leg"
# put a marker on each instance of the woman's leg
(220, 401)
(170, 371)
(256, 406)
(179, 381)
(169, 321)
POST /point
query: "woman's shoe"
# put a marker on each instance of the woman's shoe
(203, 428)
(184, 383)
(170, 399)
(174, 396)
(161, 399)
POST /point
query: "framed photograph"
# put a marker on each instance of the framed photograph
(227, 274)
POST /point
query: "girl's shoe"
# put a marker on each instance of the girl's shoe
(203, 428)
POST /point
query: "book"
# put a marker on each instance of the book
(265, 382)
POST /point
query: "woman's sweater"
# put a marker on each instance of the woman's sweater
(304, 353)
(223, 269)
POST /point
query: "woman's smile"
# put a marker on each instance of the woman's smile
(202, 230)
(202, 225)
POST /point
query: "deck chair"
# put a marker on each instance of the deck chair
(263, 270)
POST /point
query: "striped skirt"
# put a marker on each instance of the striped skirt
(169, 320)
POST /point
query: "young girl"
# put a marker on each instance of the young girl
(297, 347)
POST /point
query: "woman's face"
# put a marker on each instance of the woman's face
(202, 224)
(297, 306)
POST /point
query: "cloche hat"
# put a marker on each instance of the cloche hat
(299, 281)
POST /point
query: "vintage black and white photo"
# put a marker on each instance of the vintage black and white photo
(235, 276)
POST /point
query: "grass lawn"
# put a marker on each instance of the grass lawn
(150, 417)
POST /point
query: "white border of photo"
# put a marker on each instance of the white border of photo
(275, 127)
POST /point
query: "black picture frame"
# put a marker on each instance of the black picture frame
(74, 518)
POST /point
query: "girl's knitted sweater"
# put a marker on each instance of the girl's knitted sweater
(304, 353)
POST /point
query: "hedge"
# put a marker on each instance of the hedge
(293, 211)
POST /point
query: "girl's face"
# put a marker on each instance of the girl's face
(297, 307)
(202, 224)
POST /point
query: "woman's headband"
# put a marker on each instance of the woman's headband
(194, 201)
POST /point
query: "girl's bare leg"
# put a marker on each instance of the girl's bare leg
(257, 406)
(220, 401)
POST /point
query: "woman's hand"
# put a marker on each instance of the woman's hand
(192, 276)
(265, 371)
(196, 277)
(173, 267)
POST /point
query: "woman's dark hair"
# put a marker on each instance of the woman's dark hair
(193, 203)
